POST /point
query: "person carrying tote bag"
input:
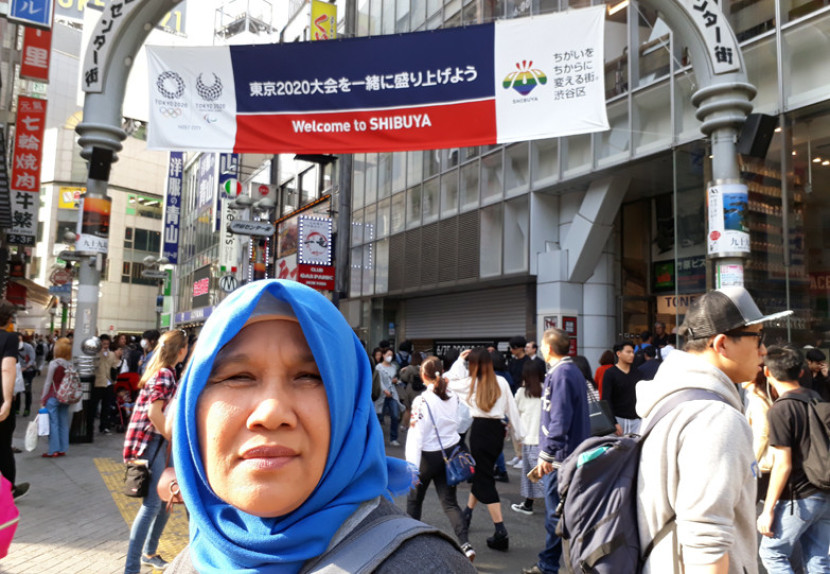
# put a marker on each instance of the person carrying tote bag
(59, 414)
(434, 431)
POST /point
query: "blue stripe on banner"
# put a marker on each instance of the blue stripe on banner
(449, 65)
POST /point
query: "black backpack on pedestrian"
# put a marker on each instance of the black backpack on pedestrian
(598, 499)
(816, 461)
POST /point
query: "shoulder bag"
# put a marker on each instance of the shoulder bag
(168, 485)
(459, 464)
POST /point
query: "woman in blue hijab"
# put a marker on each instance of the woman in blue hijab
(278, 451)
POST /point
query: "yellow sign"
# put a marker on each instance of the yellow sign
(323, 20)
(68, 197)
(670, 305)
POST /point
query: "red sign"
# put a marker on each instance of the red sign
(201, 287)
(820, 283)
(569, 325)
(16, 294)
(320, 277)
(37, 46)
(60, 277)
(28, 144)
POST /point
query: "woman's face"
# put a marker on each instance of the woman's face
(378, 357)
(387, 357)
(263, 420)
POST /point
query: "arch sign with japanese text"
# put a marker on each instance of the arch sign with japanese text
(507, 81)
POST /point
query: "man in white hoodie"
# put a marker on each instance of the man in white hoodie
(697, 466)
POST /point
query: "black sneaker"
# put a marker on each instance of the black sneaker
(156, 561)
(499, 541)
(20, 490)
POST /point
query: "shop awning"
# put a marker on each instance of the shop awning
(35, 294)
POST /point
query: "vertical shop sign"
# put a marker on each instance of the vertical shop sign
(37, 47)
(94, 226)
(25, 182)
(323, 20)
(728, 233)
(172, 207)
(230, 254)
(314, 253)
(205, 180)
(34, 13)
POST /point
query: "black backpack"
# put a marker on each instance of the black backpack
(598, 499)
(816, 461)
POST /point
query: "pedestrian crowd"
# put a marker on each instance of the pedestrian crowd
(283, 468)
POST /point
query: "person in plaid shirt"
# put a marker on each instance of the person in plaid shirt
(147, 438)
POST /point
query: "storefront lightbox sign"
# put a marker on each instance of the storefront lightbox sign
(315, 240)
(94, 227)
(201, 287)
(728, 233)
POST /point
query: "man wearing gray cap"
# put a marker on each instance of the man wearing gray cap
(697, 468)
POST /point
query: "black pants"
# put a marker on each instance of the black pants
(106, 397)
(7, 466)
(486, 444)
(432, 469)
(28, 377)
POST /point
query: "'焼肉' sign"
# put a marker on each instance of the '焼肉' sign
(508, 81)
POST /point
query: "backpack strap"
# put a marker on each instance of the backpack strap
(363, 551)
(669, 405)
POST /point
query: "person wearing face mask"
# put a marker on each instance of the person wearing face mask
(389, 401)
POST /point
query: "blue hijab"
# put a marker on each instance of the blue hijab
(225, 539)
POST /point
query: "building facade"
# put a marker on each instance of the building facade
(602, 233)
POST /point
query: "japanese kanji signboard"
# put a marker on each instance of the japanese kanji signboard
(717, 33)
(511, 80)
(25, 182)
(323, 20)
(172, 207)
(37, 45)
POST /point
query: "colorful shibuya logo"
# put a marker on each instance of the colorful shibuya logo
(525, 79)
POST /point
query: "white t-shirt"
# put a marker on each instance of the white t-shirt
(422, 436)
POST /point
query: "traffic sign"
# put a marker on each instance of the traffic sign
(60, 277)
(64, 289)
(228, 283)
(153, 274)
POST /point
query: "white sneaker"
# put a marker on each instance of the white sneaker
(522, 509)
(395, 443)
(519, 464)
(513, 461)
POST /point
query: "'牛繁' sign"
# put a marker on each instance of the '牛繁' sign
(512, 80)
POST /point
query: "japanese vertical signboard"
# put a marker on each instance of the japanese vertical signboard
(512, 80)
(37, 47)
(172, 207)
(714, 28)
(25, 182)
(34, 13)
(230, 252)
(206, 180)
(94, 226)
(314, 253)
(728, 233)
(323, 20)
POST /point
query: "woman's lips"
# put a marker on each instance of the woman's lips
(268, 457)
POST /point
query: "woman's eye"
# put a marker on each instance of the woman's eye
(234, 378)
(313, 378)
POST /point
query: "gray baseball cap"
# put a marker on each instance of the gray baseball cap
(724, 310)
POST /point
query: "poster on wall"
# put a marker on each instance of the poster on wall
(511, 80)
(94, 227)
(728, 233)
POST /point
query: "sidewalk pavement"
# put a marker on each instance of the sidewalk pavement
(74, 518)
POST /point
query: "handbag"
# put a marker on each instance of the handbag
(30, 442)
(460, 464)
(600, 415)
(42, 420)
(137, 479)
(168, 486)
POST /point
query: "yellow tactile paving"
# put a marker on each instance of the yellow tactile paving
(175, 535)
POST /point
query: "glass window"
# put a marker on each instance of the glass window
(430, 200)
(413, 207)
(418, 12)
(749, 19)
(371, 178)
(369, 229)
(653, 50)
(432, 162)
(471, 13)
(414, 167)
(384, 175)
(545, 158)
(388, 26)
(402, 21)
(616, 49)
(493, 10)
(517, 168)
(614, 143)
(363, 18)
(358, 181)
(368, 269)
(806, 62)
(398, 216)
(469, 186)
(449, 158)
(433, 6)
(490, 240)
(374, 17)
(398, 171)
(491, 176)
(356, 276)
(383, 218)
(449, 194)
(382, 266)
(357, 227)
(516, 235)
(577, 154)
(652, 126)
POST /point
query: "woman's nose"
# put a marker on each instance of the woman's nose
(272, 413)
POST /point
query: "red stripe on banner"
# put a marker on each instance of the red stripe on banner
(417, 128)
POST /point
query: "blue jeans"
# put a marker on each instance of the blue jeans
(391, 406)
(58, 425)
(152, 517)
(500, 467)
(804, 521)
(549, 557)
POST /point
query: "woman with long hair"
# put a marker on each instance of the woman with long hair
(492, 406)
(529, 403)
(147, 438)
(758, 403)
(434, 417)
(59, 368)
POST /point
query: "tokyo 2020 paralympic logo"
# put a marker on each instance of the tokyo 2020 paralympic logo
(209, 93)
